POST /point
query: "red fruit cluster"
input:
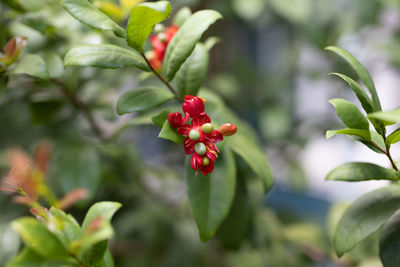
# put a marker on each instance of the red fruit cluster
(160, 42)
(200, 134)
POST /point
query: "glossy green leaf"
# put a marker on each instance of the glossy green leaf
(393, 137)
(142, 21)
(365, 216)
(361, 171)
(167, 132)
(193, 72)
(86, 13)
(389, 245)
(350, 114)
(160, 118)
(362, 73)
(181, 16)
(389, 116)
(245, 142)
(142, 98)
(234, 228)
(36, 236)
(252, 155)
(104, 56)
(359, 92)
(365, 134)
(185, 40)
(211, 196)
(32, 65)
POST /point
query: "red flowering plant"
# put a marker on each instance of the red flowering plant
(176, 66)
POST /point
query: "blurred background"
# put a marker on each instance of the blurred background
(270, 68)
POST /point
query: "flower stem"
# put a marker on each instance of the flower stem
(173, 91)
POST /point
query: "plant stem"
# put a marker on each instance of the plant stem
(79, 105)
(385, 151)
(388, 153)
(173, 91)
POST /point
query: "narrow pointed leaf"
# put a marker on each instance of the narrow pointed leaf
(361, 71)
(185, 40)
(193, 72)
(88, 14)
(211, 196)
(389, 116)
(365, 134)
(361, 171)
(393, 137)
(350, 114)
(389, 245)
(365, 216)
(104, 56)
(142, 98)
(143, 19)
(359, 91)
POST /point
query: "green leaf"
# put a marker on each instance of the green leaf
(350, 114)
(69, 230)
(253, 155)
(29, 258)
(245, 142)
(167, 132)
(359, 91)
(389, 116)
(362, 73)
(142, 21)
(389, 245)
(365, 216)
(76, 165)
(375, 138)
(234, 228)
(393, 137)
(211, 196)
(160, 119)
(365, 134)
(86, 13)
(193, 72)
(94, 243)
(32, 65)
(104, 56)
(185, 40)
(181, 16)
(36, 236)
(142, 98)
(105, 209)
(361, 171)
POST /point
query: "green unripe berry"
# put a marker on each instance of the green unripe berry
(194, 135)
(200, 149)
(207, 127)
(206, 161)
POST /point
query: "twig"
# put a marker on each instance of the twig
(81, 107)
(173, 91)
